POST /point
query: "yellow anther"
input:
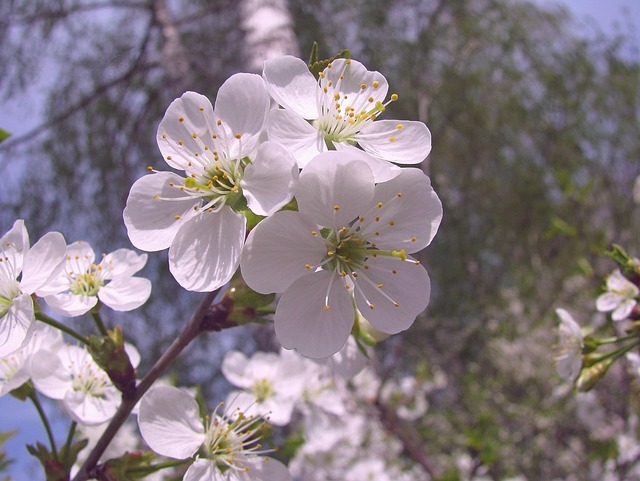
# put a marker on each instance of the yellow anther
(189, 163)
(336, 96)
(372, 306)
(416, 263)
(361, 219)
(201, 109)
(348, 61)
(400, 126)
(413, 239)
(326, 308)
(394, 272)
(206, 147)
(164, 136)
(399, 194)
(169, 157)
(308, 266)
(237, 136)
(379, 205)
(176, 217)
(380, 285)
(392, 223)
(395, 304)
(363, 86)
(219, 122)
(314, 232)
(370, 99)
(377, 218)
(214, 136)
(392, 139)
(171, 184)
(375, 84)
(394, 97)
(150, 168)
(180, 119)
(336, 207)
(180, 142)
(156, 196)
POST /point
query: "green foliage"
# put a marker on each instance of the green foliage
(5, 461)
(4, 135)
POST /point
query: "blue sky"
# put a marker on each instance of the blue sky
(608, 15)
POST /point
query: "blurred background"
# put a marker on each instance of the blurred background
(534, 110)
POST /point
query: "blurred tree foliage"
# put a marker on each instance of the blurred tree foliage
(536, 142)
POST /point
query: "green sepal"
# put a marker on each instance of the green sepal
(246, 302)
(109, 353)
(55, 467)
(4, 135)
(316, 66)
(5, 461)
(23, 392)
(128, 467)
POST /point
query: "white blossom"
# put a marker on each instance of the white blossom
(568, 357)
(621, 296)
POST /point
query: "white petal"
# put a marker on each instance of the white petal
(123, 262)
(17, 325)
(618, 282)
(206, 470)
(269, 182)
(292, 85)
(206, 250)
(405, 283)
(334, 188)
(242, 104)
(125, 293)
(170, 423)
(408, 222)
(90, 410)
(608, 301)
(234, 369)
(18, 239)
(623, 310)
(49, 375)
(347, 78)
(44, 260)
(382, 170)
(279, 250)
(80, 256)
(191, 114)
(303, 322)
(151, 222)
(301, 138)
(409, 144)
(349, 361)
(70, 305)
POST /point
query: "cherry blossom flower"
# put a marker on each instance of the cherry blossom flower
(23, 271)
(82, 283)
(14, 368)
(337, 112)
(71, 375)
(569, 349)
(621, 296)
(199, 217)
(271, 384)
(345, 248)
(227, 446)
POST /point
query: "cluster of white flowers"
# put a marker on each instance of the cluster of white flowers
(294, 182)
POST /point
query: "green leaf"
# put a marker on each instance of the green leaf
(4, 135)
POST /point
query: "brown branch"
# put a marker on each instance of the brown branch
(192, 330)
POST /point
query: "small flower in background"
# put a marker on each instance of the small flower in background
(271, 384)
(72, 376)
(569, 349)
(199, 217)
(621, 296)
(82, 283)
(337, 112)
(344, 249)
(227, 445)
(34, 267)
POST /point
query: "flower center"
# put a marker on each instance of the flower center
(88, 283)
(262, 390)
(89, 379)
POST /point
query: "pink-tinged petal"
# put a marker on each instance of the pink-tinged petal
(402, 142)
(334, 188)
(303, 321)
(156, 209)
(302, 139)
(347, 77)
(406, 213)
(170, 423)
(242, 104)
(17, 325)
(608, 301)
(279, 250)
(125, 293)
(234, 368)
(382, 170)
(292, 85)
(206, 250)
(43, 261)
(391, 293)
(122, 263)
(623, 310)
(189, 115)
(70, 305)
(269, 182)
(264, 469)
